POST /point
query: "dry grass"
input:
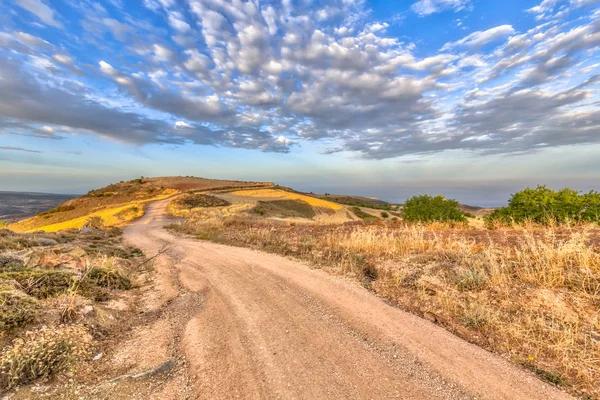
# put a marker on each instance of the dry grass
(284, 194)
(46, 281)
(116, 216)
(16, 307)
(532, 295)
(42, 353)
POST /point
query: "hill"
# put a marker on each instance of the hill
(356, 201)
(121, 202)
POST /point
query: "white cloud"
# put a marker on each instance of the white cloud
(41, 10)
(182, 124)
(30, 40)
(546, 8)
(107, 68)
(162, 53)
(481, 38)
(270, 76)
(176, 21)
(63, 59)
(427, 7)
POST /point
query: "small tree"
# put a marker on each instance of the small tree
(384, 215)
(432, 209)
(543, 206)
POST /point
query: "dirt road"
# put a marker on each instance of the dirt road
(248, 325)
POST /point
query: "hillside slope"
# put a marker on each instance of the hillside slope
(121, 202)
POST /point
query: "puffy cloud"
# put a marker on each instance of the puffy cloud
(176, 21)
(25, 104)
(240, 74)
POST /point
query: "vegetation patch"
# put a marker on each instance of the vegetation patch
(545, 206)
(43, 353)
(195, 200)
(10, 263)
(285, 209)
(58, 209)
(363, 215)
(427, 208)
(41, 284)
(109, 278)
(16, 307)
(357, 201)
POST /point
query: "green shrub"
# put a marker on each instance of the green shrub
(545, 206)
(385, 215)
(427, 208)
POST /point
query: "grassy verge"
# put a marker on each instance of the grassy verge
(54, 289)
(531, 295)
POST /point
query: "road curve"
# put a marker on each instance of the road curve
(267, 327)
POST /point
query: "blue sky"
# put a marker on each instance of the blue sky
(472, 99)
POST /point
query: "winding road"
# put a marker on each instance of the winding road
(251, 325)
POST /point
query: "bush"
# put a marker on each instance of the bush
(10, 263)
(385, 215)
(363, 215)
(432, 209)
(43, 353)
(16, 308)
(95, 222)
(41, 284)
(545, 206)
(109, 278)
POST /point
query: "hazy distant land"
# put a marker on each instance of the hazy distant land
(18, 205)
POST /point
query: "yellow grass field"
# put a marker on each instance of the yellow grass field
(282, 194)
(114, 216)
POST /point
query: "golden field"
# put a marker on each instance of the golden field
(284, 194)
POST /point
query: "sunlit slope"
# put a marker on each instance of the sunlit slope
(121, 202)
(284, 194)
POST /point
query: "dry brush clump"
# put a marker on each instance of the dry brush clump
(16, 307)
(42, 353)
(50, 284)
(532, 295)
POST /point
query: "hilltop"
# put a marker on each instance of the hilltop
(122, 202)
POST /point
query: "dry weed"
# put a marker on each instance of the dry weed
(43, 353)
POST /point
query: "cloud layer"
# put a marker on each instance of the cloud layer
(273, 76)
